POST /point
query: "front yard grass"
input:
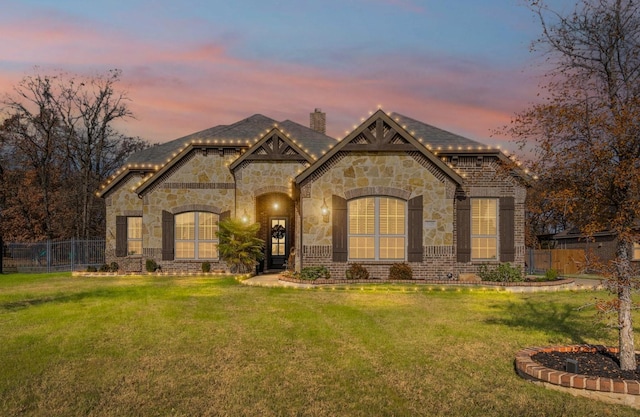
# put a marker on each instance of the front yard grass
(186, 346)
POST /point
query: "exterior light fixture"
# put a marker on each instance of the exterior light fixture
(276, 206)
(325, 211)
(245, 217)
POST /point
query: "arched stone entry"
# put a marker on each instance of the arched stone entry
(275, 213)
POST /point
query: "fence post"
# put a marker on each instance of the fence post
(48, 255)
(73, 255)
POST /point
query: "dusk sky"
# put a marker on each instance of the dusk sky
(461, 65)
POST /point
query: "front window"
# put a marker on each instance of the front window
(377, 228)
(636, 252)
(195, 234)
(134, 235)
(484, 228)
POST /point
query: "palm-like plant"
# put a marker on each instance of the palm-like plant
(239, 245)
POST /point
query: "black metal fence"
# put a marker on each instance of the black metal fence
(53, 256)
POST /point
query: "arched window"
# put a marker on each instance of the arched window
(195, 235)
(377, 228)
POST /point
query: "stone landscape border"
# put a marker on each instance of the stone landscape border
(614, 391)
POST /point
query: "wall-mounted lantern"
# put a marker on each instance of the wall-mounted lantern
(245, 217)
(325, 211)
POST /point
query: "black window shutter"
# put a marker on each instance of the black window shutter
(414, 252)
(121, 236)
(463, 228)
(225, 215)
(507, 223)
(339, 228)
(167, 236)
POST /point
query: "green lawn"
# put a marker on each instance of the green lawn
(198, 346)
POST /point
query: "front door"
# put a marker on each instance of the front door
(278, 243)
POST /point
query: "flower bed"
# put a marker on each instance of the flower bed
(617, 391)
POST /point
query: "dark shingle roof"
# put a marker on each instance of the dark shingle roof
(314, 142)
(432, 135)
(245, 131)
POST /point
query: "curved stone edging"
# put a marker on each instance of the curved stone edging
(616, 391)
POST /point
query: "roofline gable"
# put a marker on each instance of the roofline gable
(177, 157)
(275, 132)
(121, 175)
(378, 142)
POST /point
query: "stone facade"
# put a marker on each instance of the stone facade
(372, 174)
(383, 157)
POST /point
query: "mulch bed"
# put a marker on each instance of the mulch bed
(599, 364)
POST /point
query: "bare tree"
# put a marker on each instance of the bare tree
(88, 109)
(33, 133)
(587, 131)
(63, 126)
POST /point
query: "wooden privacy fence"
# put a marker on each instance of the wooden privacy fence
(565, 261)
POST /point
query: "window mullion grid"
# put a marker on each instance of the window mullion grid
(196, 233)
(376, 228)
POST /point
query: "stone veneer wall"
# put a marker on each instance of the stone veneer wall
(257, 178)
(404, 176)
(201, 180)
(121, 202)
(393, 174)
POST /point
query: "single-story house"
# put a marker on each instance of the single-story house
(393, 190)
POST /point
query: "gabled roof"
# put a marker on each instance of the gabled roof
(312, 142)
(274, 146)
(156, 160)
(239, 134)
(383, 134)
(434, 137)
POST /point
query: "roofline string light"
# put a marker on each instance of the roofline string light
(430, 147)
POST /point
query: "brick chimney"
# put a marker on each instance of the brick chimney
(318, 121)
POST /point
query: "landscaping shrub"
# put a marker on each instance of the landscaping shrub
(401, 271)
(151, 265)
(113, 267)
(551, 274)
(311, 273)
(504, 272)
(206, 266)
(92, 268)
(239, 245)
(104, 268)
(357, 271)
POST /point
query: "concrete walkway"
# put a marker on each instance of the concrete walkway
(272, 280)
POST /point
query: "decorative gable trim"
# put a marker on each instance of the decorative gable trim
(274, 146)
(380, 133)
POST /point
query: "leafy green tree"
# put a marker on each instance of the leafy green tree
(239, 245)
(586, 132)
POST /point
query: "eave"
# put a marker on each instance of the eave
(380, 117)
(121, 175)
(149, 180)
(276, 153)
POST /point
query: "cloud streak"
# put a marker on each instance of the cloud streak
(180, 87)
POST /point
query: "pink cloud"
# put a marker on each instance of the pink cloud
(179, 89)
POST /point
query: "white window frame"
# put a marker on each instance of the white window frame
(377, 236)
(196, 238)
(131, 239)
(495, 236)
